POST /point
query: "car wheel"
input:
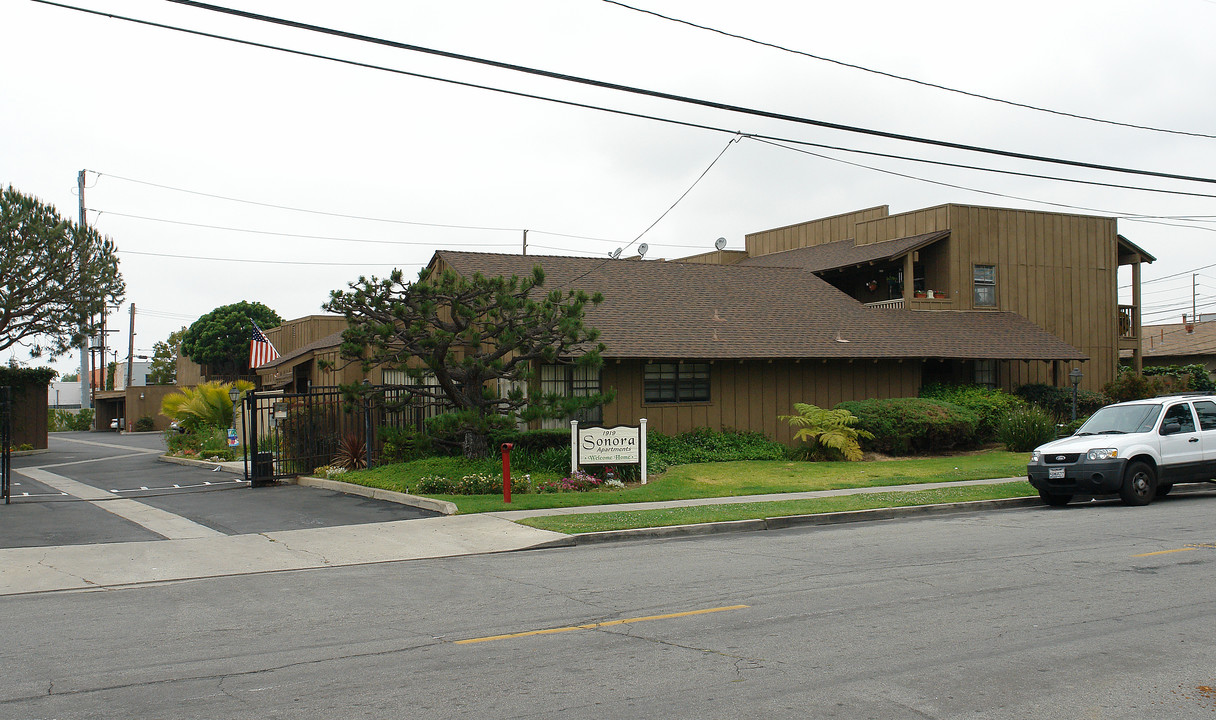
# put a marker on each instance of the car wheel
(1164, 489)
(1055, 500)
(1139, 484)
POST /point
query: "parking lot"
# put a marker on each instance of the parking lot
(105, 487)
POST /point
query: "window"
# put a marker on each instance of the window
(985, 373)
(1180, 414)
(571, 381)
(985, 286)
(676, 382)
(1206, 410)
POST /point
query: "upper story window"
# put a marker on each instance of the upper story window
(985, 286)
(676, 382)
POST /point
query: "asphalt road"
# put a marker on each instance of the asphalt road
(106, 467)
(1030, 613)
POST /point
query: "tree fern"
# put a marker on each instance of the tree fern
(831, 429)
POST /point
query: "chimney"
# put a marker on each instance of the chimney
(1190, 327)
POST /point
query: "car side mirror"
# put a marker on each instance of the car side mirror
(1171, 428)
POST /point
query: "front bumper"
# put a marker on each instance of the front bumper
(1084, 477)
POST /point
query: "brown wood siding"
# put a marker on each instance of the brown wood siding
(29, 415)
(907, 224)
(295, 334)
(750, 395)
(1058, 271)
(808, 234)
(715, 257)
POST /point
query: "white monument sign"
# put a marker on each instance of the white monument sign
(619, 445)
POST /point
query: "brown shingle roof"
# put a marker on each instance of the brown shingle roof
(843, 253)
(1173, 339)
(682, 310)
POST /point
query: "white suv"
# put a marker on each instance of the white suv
(1137, 449)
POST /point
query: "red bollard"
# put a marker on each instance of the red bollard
(506, 472)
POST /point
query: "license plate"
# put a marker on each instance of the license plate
(1056, 473)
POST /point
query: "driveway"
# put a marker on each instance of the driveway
(106, 488)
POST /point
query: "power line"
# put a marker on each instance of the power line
(304, 210)
(295, 235)
(658, 94)
(244, 260)
(341, 215)
(586, 106)
(903, 78)
(683, 195)
(1122, 216)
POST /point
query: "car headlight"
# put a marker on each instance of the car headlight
(1102, 454)
(1036, 456)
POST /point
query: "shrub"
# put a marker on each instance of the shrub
(61, 420)
(352, 453)
(577, 482)
(476, 484)
(145, 424)
(1130, 386)
(991, 406)
(705, 445)
(403, 445)
(1057, 401)
(1194, 377)
(1025, 429)
(903, 426)
(551, 460)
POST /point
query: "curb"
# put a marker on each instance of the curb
(201, 463)
(439, 506)
(778, 523)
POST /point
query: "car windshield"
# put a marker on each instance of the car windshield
(1119, 419)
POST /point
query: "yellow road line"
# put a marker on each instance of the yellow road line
(592, 626)
(1163, 552)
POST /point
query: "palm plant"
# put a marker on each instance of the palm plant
(207, 404)
(827, 429)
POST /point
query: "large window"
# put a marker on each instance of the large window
(676, 382)
(985, 286)
(571, 381)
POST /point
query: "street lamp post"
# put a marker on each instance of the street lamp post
(1075, 376)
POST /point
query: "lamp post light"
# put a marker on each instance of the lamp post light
(234, 395)
(1075, 376)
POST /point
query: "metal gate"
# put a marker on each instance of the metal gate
(6, 442)
(290, 434)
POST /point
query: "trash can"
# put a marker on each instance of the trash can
(263, 469)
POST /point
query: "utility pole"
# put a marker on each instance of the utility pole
(1194, 291)
(525, 242)
(85, 375)
(131, 346)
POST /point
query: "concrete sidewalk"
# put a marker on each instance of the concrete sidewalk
(92, 567)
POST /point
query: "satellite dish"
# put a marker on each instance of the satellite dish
(615, 253)
(642, 249)
(719, 243)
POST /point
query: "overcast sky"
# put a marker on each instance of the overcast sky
(152, 113)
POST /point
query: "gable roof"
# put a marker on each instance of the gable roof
(1170, 340)
(672, 310)
(844, 253)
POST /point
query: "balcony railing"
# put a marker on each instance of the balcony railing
(1127, 328)
(897, 303)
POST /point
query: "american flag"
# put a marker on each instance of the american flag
(260, 349)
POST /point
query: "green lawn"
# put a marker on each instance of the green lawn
(596, 522)
(704, 480)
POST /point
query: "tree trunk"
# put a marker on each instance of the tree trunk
(476, 445)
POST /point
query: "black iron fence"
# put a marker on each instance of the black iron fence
(6, 442)
(289, 434)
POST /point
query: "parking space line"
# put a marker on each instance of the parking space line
(173, 527)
